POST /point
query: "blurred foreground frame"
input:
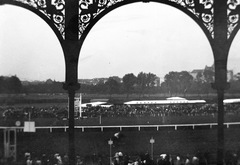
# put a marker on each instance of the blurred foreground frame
(72, 20)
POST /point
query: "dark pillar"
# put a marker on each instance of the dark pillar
(71, 86)
(220, 133)
(71, 48)
(220, 85)
(71, 131)
(220, 51)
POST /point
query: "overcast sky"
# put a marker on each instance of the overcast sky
(148, 37)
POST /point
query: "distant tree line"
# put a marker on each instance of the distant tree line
(10, 85)
(13, 85)
(142, 83)
(49, 86)
(174, 83)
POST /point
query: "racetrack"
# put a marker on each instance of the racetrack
(133, 142)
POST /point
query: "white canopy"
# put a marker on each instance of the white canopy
(93, 104)
(229, 101)
(178, 100)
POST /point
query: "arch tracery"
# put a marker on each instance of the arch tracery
(233, 13)
(202, 10)
(53, 10)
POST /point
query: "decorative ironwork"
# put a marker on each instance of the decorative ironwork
(202, 9)
(233, 15)
(52, 9)
(89, 9)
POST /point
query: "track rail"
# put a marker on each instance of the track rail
(124, 127)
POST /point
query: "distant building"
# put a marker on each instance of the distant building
(195, 72)
(212, 68)
(230, 75)
(93, 81)
(157, 82)
(25, 82)
(49, 81)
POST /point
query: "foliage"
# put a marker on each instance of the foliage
(112, 86)
(178, 82)
(10, 85)
(185, 81)
(145, 82)
(175, 83)
(46, 87)
(129, 80)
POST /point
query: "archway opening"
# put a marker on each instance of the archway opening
(29, 48)
(32, 70)
(233, 69)
(149, 38)
(144, 37)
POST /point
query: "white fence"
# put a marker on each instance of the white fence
(136, 127)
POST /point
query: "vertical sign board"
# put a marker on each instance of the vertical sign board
(80, 105)
(77, 106)
(10, 144)
(29, 126)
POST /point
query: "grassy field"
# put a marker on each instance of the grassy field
(58, 98)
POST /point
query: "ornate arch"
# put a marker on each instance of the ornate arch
(90, 12)
(233, 18)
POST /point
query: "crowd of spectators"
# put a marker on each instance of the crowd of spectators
(25, 112)
(151, 110)
(118, 111)
(119, 158)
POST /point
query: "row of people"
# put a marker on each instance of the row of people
(119, 110)
(162, 159)
(124, 159)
